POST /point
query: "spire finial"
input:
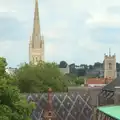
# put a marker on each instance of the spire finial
(109, 52)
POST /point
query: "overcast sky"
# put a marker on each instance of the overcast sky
(79, 31)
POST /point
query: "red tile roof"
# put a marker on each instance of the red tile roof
(98, 81)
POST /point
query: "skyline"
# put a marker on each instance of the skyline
(83, 32)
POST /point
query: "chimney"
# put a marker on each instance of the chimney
(49, 113)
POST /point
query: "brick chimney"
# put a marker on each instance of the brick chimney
(49, 113)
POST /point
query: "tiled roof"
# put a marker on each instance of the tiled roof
(95, 81)
(98, 81)
(111, 86)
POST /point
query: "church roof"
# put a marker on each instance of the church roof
(111, 86)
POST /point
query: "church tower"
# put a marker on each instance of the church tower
(110, 66)
(36, 45)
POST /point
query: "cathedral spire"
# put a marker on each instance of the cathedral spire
(36, 26)
(36, 45)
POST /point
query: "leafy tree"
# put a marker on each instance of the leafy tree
(91, 67)
(118, 66)
(13, 106)
(81, 72)
(38, 78)
(63, 64)
(85, 66)
(3, 65)
(98, 65)
(79, 81)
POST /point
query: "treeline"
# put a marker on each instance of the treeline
(84, 69)
(30, 78)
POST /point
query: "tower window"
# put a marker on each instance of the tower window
(33, 59)
(40, 45)
(110, 65)
(36, 59)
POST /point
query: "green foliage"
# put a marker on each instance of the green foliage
(79, 81)
(38, 78)
(13, 106)
(3, 64)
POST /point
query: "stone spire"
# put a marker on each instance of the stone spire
(36, 44)
(36, 36)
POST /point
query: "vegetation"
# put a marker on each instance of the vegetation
(13, 106)
(38, 78)
(29, 78)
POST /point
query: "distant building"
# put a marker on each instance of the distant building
(110, 66)
(65, 70)
(72, 68)
(96, 72)
(10, 70)
(64, 67)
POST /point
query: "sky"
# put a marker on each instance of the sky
(76, 31)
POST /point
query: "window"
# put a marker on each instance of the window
(40, 45)
(110, 66)
(33, 59)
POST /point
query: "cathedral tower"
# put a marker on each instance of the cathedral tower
(110, 66)
(36, 45)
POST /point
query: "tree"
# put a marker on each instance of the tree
(63, 64)
(79, 81)
(85, 66)
(98, 65)
(38, 78)
(118, 66)
(91, 67)
(3, 65)
(13, 106)
(81, 72)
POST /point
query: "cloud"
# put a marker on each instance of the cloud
(114, 10)
(15, 52)
(106, 35)
(11, 28)
(78, 31)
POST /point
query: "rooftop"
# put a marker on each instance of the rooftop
(97, 81)
(111, 86)
(112, 111)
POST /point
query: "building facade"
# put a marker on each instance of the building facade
(65, 70)
(10, 70)
(36, 44)
(110, 66)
